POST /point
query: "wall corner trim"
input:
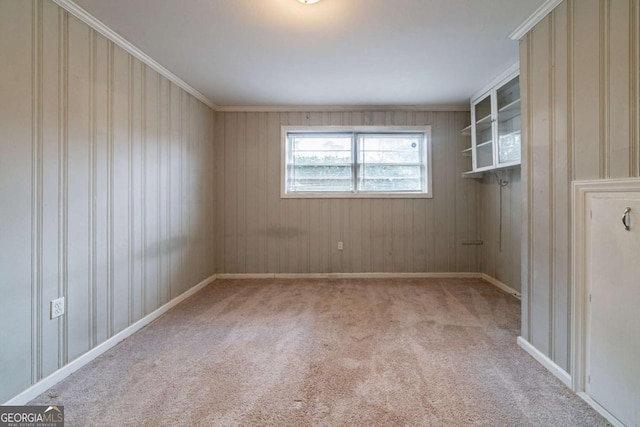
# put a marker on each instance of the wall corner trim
(73, 366)
(102, 28)
(551, 366)
(534, 19)
(497, 283)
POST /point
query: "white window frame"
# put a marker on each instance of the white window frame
(428, 185)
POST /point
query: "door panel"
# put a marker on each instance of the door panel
(613, 325)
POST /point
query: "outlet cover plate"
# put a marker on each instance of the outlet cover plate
(57, 307)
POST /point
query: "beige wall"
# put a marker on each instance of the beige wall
(105, 185)
(261, 233)
(500, 227)
(580, 80)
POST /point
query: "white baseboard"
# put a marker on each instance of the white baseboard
(71, 367)
(508, 289)
(551, 366)
(599, 409)
(350, 276)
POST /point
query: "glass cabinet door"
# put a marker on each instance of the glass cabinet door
(483, 133)
(508, 100)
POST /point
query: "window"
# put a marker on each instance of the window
(356, 161)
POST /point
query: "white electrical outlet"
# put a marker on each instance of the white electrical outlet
(340, 246)
(57, 307)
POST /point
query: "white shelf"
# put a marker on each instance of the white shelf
(472, 174)
(485, 119)
(515, 132)
(515, 105)
(466, 131)
(484, 144)
(505, 115)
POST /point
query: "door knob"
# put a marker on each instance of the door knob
(626, 219)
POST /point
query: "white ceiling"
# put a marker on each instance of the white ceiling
(335, 52)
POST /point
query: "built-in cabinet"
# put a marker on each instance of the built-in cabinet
(495, 128)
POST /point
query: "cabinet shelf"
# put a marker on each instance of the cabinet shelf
(506, 134)
(472, 174)
(466, 131)
(508, 114)
(484, 144)
(515, 105)
(485, 119)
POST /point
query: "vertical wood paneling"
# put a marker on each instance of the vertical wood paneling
(121, 172)
(251, 201)
(164, 186)
(618, 85)
(150, 185)
(79, 231)
(240, 176)
(230, 194)
(587, 78)
(561, 163)
(541, 189)
(525, 168)
(263, 193)
(88, 152)
(220, 170)
(301, 235)
(634, 84)
(110, 255)
(36, 192)
(101, 106)
(16, 36)
(581, 91)
(464, 200)
(274, 231)
(513, 234)
(50, 184)
(500, 252)
(176, 237)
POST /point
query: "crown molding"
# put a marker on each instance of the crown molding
(336, 108)
(534, 19)
(116, 38)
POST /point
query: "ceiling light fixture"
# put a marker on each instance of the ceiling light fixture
(308, 1)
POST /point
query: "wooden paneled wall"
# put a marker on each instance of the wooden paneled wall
(580, 80)
(500, 226)
(106, 190)
(261, 233)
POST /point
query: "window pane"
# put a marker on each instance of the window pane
(321, 178)
(389, 163)
(320, 163)
(321, 149)
(386, 178)
(392, 149)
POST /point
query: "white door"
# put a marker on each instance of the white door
(613, 314)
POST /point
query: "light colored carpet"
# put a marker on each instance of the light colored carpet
(325, 352)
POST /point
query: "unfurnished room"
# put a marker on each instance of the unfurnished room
(320, 213)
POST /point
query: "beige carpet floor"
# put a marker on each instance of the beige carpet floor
(328, 353)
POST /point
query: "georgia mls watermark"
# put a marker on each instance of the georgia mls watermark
(31, 416)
